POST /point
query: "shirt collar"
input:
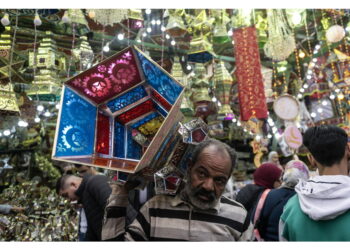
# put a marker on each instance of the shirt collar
(180, 198)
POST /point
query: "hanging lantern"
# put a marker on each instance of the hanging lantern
(5, 43)
(335, 33)
(134, 19)
(220, 35)
(223, 83)
(176, 26)
(46, 84)
(84, 53)
(281, 42)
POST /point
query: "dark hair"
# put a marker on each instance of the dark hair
(326, 143)
(60, 182)
(220, 145)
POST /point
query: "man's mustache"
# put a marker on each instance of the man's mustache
(209, 194)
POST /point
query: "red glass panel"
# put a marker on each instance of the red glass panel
(135, 112)
(161, 100)
(103, 133)
(108, 78)
(198, 135)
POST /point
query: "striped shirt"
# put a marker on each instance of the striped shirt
(168, 218)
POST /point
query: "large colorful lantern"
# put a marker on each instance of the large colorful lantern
(121, 114)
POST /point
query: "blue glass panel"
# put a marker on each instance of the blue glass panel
(76, 134)
(144, 120)
(201, 57)
(159, 80)
(161, 110)
(129, 98)
(119, 140)
(134, 150)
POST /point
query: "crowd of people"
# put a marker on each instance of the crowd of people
(282, 204)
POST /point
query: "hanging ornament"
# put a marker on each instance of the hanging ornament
(175, 26)
(83, 53)
(108, 17)
(220, 35)
(223, 82)
(134, 19)
(37, 20)
(65, 17)
(251, 92)
(46, 84)
(8, 100)
(281, 42)
(5, 20)
(335, 33)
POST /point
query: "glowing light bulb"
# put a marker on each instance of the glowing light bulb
(317, 46)
(37, 119)
(219, 104)
(324, 103)
(40, 108)
(153, 22)
(37, 20)
(120, 36)
(149, 29)
(47, 114)
(300, 96)
(106, 48)
(148, 11)
(238, 123)
(301, 54)
(337, 90)
(7, 132)
(173, 42)
(305, 86)
(313, 114)
(22, 123)
(308, 77)
(167, 36)
(214, 99)
(302, 90)
(57, 106)
(314, 60)
(230, 32)
(319, 110)
(296, 18)
(258, 137)
(332, 96)
(269, 136)
(144, 34)
(188, 67)
(234, 120)
(5, 20)
(341, 96)
(158, 22)
(162, 28)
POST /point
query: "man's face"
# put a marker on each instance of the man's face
(274, 159)
(208, 177)
(68, 191)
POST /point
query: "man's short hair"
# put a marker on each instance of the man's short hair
(60, 183)
(220, 145)
(326, 143)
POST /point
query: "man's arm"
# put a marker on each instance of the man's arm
(114, 222)
(281, 236)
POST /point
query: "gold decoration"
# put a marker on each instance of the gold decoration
(150, 128)
(8, 101)
(176, 26)
(48, 64)
(84, 53)
(5, 43)
(280, 43)
(76, 16)
(111, 16)
(223, 82)
(220, 35)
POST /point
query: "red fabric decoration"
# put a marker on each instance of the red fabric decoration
(252, 99)
(103, 132)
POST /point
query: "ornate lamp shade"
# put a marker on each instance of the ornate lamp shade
(46, 84)
(176, 26)
(134, 19)
(119, 114)
(200, 50)
(223, 82)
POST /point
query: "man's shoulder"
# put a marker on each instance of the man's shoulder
(229, 202)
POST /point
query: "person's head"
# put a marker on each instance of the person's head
(83, 170)
(273, 157)
(66, 186)
(209, 169)
(327, 145)
(294, 171)
(268, 175)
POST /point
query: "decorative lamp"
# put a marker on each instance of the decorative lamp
(134, 19)
(5, 20)
(223, 82)
(108, 17)
(46, 84)
(105, 109)
(335, 34)
(176, 26)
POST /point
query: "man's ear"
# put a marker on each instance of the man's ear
(312, 160)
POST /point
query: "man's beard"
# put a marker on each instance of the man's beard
(192, 196)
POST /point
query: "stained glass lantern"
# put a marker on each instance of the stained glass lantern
(119, 114)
